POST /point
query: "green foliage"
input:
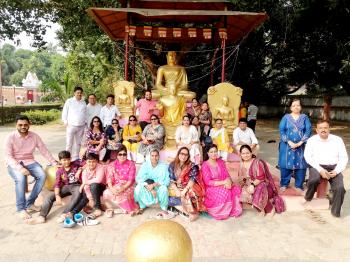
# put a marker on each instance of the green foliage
(41, 117)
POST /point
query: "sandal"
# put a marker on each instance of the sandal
(119, 211)
(163, 215)
(109, 213)
(137, 212)
(24, 215)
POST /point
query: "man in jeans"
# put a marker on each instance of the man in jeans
(19, 148)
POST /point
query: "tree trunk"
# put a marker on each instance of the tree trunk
(327, 107)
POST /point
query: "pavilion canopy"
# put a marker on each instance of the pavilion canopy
(114, 20)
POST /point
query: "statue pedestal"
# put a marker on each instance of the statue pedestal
(170, 131)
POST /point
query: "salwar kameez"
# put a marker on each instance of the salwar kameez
(159, 174)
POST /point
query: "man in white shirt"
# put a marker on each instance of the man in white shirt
(74, 118)
(252, 116)
(243, 135)
(93, 108)
(109, 112)
(326, 154)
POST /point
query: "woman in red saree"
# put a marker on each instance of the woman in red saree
(186, 189)
(258, 188)
(221, 196)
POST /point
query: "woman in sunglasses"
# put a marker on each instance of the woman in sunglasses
(114, 139)
(95, 138)
(132, 137)
(152, 136)
(119, 195)
(186, 189)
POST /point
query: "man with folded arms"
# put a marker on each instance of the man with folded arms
(326, 154)
(19, 148)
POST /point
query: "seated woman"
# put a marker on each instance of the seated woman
(132, 137)
(220, 138)
(221, 196)
(187, 136)
(152, 136)
(152, 185)
(258, 188)
(120, 185)
(95, 139)
(114, 139)
(186, 190)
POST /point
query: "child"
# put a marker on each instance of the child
(94, 182)
(67, 183)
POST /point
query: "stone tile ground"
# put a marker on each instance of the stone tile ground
(292, 236)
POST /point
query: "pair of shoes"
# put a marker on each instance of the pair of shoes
(35, 221)
(88, 222)
(33, 208)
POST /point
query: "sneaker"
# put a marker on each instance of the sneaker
(33, 208)
(78, 217)
(89, 222)
(35, 221)
(68, 223)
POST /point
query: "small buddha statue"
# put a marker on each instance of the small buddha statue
(123, 91)
(124, 98)
(225, 113)
(173, 76)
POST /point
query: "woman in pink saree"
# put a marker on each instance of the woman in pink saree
(258, 188)
(121, 184)
(222, 198)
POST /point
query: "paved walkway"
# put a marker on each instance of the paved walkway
(292, 236)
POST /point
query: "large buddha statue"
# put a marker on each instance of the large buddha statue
(172, 76)
(171, 108)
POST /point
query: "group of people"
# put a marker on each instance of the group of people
(188, 185)
(324, 153)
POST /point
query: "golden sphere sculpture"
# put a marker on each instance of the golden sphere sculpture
(50, 177)
(159, 241)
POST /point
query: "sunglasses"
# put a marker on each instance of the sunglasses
(114, 123)
(183, 154)
(122, 154)
(132, 120)
(154, 119)
(96, 121)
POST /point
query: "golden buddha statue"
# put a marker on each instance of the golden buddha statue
(173, 76)
(224, 100)
(124, 97)
(225, 113)
(172, 108)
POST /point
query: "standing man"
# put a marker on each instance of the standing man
(74, 118)
(243, 135)
(252, 116)
(146, 107)
(93, 108)
(19, 148)
(109, 112)
(326, 154)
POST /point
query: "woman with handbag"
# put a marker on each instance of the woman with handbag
(186, 189)
(295, 129)
(132, 137)
(258, 188)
